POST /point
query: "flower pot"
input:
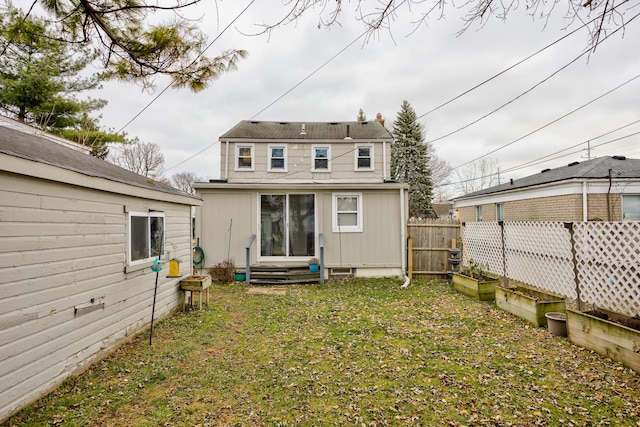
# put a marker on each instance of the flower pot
(557, 323)
(240, 277)
(529, 304)
(482, 288)
(314, 268)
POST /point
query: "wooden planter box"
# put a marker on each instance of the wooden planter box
(529, 304)
(195, 283)
(609, 338)
(484, 290)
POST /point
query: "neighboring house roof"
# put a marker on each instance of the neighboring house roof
(278, 131)
(617, 167)
(32, 146)
(442, 209)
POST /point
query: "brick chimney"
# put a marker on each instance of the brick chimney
(379, 118)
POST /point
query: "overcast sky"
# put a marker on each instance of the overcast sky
(427, 68)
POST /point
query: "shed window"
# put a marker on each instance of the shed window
(145, 237)
(364, 157)
(321, 157)
(631, 208)
(277, 158)
(347, 213)
(244, 156)
(479, 213)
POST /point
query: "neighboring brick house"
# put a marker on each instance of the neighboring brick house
(602, 189)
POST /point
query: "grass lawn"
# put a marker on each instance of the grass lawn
(363, 353)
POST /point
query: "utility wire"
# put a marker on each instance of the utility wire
(195, 59)
(550, 123)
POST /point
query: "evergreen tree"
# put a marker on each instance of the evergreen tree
(39, 77)
(410, 161)
(361, 116)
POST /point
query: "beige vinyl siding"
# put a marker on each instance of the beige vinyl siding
(61, 246)
(378, 245)
(299, 163)
(221, 211)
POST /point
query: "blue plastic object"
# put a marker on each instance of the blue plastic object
(156, 266)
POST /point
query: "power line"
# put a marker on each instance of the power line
(195, 59)
(550, 123)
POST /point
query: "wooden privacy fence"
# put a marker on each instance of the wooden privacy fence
(429, 244)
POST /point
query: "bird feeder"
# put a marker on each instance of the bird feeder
(174, 267)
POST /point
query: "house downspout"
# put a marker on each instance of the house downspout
(226, 160)
(585, 214)
(384, 160)
(403, 239)
(609, 197)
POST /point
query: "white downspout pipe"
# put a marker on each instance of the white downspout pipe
(226, 160)
(585, 214)
(403, 239)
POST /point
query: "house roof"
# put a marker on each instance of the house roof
(16, 142)
(259, 130)
(619, 167)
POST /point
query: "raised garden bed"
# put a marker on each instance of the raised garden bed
(610, 334)
(481, 287)
(529, 304)
(195, 283)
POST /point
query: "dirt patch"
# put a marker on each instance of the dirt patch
(267, 291)
(629, 322)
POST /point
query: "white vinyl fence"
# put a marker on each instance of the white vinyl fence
(548, 255)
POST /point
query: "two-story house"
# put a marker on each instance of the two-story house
(296, 186)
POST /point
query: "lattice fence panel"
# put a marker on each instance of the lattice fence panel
(483, 242)
(539, 254)
(608, 258)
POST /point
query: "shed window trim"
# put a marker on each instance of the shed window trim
(245, 157)
(347, 218)
(145, 237)
(318, 161)
(277, 158)
(364, 157)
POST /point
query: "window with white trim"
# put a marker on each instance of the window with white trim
(364, 157)
(479, 213)
(631, 207)
(347, 213)
(145, 236)
(244, 157)
(321, 158)
(277, 158)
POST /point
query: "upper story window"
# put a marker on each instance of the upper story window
(321, 157)
(347, 213)
(479, 213)
(277, 158)
(145, 236)
(631, 208)
(245, 157)
(499, 211)
(364, 157)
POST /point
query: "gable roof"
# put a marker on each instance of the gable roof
(620, 167)
(38, 148)
(258, 130)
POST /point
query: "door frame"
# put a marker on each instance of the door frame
(285, 258)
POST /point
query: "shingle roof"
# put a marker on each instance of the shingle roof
(598, 168)
(30, 146)
(259, 130)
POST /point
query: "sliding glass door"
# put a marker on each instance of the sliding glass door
(287, 225)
